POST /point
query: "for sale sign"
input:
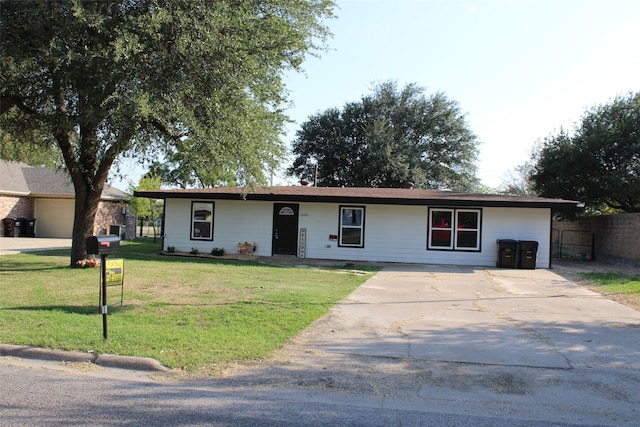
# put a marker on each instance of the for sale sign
(115, 271)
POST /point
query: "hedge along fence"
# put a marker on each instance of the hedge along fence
(616, 238)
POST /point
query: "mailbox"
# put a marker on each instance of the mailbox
(103, 245)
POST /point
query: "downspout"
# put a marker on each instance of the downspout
(550, 236)
(164, 209)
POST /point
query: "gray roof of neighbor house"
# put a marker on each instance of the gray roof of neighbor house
(20, 179)
(392, 196)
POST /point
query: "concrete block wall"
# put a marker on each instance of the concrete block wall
(617, 237)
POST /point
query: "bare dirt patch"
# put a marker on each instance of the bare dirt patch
(630, 300)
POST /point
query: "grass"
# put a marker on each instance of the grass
(614, 282)
(188, 313)
(623, 288)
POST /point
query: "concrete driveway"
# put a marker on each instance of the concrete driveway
(530, 344)
(15, 245)
(533, 318)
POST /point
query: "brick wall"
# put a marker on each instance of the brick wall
(14, 207)
(110, 213)
(616, 238)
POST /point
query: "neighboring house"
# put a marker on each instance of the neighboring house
(45, 197)
(357, 224)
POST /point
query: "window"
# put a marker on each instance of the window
(454, 229)
(467, 229)
(351, 226)
(201, 221)
(441, 229)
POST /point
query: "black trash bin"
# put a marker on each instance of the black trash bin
(528, 254)
(27, 227)
(507, 253)
(11, 227)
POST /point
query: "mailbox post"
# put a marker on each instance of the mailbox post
(103, 246)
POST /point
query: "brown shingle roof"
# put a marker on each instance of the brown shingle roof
(12, 179)
(48, 182)
(396, 196)
(22, 179)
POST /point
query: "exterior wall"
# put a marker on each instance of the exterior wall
(391, 233)
(109, 213)
(399, 234)
(519, 224)
(14, 207)
(235, 221)
(615, 237)
(54, 217)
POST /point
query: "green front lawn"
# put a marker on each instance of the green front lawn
(188, 313)
(614, 282)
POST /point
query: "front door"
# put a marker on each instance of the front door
(285, 228)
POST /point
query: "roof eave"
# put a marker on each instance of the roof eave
(15, 193)
(556, 205)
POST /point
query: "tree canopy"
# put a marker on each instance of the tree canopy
(186, 168)
(32, 145)
(139, 78)
(599, 163)
(386, 139)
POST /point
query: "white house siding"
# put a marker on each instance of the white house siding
(392, 233)
(399, 234)
(518, 224)
(235, 221)
(387, 235)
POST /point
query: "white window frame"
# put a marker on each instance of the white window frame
(199, 206)
(475, 230)
(342, 227)
(443, 228)
(454, 230)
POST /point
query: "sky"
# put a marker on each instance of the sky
(518, 69)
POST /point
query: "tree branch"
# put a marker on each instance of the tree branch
(7, 102)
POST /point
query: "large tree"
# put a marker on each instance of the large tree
(599, 163)
(114, 78)
(186, 168)
(33, 145)
(386, 139)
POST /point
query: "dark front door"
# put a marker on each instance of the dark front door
(285, 228)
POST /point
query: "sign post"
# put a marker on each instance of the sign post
(103, 291)
(103, 246)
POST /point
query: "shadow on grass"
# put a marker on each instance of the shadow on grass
(29, 266)
(70, 309)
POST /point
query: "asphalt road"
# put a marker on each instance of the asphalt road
(414, 345)
(52, 398)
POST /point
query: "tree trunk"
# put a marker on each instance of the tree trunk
(89, 175)
(86, 207)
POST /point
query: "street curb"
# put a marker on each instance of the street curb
(129, 362)
(105, 360)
